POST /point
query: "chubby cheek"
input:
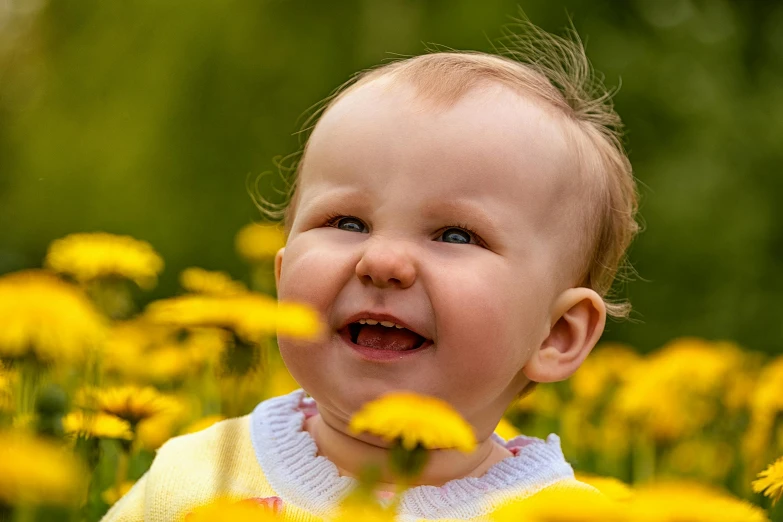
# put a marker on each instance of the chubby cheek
(484, 329)
(312, 272)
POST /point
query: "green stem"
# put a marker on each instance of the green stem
(29, 380)
(123, 459)
(24, 514)
(643, 458)
(6, 512)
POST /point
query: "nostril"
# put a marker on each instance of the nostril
(384, 270)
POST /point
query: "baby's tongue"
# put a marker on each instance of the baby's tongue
(384, 338)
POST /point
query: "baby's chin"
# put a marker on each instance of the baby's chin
(344, 397)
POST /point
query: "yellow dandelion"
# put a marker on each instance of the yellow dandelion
(252, 317)
(202, 424)
(166, 364)
(414, 420)
(33, 470)
(678, 390)
(542, 401)
(297, 320)
(113, 494)
(127, 344)
(44, 316)
(7, 380)
(87, 257)
(607, 365)
(709, 460)
(507, 430)
(240, 393)
(280, 382)
(142, 351)
(562, 505)
(689, 502)
(609, 486)
(770, 481)
(205, 346)
(24, 422)
(132, 403)
(355, 510)
(153, 432)
(199, 281)
(96, 425)
(236, 511)
(256, 243)
(766, 403)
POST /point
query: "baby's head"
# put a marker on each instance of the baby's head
(482, 204)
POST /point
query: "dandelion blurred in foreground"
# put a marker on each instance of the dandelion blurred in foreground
(609, 486)
(562, 505)
(34, 470)
(253, 317)
(235, 511)
(506, 430)
(689, 502)
(413, 424)
(355, 510)
(414, 420)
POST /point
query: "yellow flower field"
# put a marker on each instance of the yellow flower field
(91, 386)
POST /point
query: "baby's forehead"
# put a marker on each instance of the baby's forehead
(491, 130)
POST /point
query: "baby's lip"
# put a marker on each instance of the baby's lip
(382, 316)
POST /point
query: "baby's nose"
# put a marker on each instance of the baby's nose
(386, 263)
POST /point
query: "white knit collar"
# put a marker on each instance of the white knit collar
(288, 456)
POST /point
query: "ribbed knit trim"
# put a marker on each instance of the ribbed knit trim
(288, 456)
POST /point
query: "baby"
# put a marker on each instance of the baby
(457, 221)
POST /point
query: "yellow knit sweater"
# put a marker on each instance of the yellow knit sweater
(267, 455)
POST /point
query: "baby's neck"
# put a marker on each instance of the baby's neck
(351, 455)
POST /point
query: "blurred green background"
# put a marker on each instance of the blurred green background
(148, 118)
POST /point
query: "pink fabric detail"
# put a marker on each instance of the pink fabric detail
(385, 495)
(516, 444)
(273, 504)
(308, 407)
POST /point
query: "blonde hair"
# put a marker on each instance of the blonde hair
(556, 71)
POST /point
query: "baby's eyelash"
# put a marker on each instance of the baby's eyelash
(332, 219)
(469, 230)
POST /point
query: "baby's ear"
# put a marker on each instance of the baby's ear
(278, 267)
(579, 317)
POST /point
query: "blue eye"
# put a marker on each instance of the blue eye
(456, 235)
(350, 224)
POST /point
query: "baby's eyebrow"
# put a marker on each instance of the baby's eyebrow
(465, 210)
(338, 197)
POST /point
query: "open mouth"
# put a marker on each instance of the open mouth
(380, 337)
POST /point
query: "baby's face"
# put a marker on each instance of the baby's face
(448, 221)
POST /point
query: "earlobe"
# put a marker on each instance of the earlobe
(278, 267)
(579, 316)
